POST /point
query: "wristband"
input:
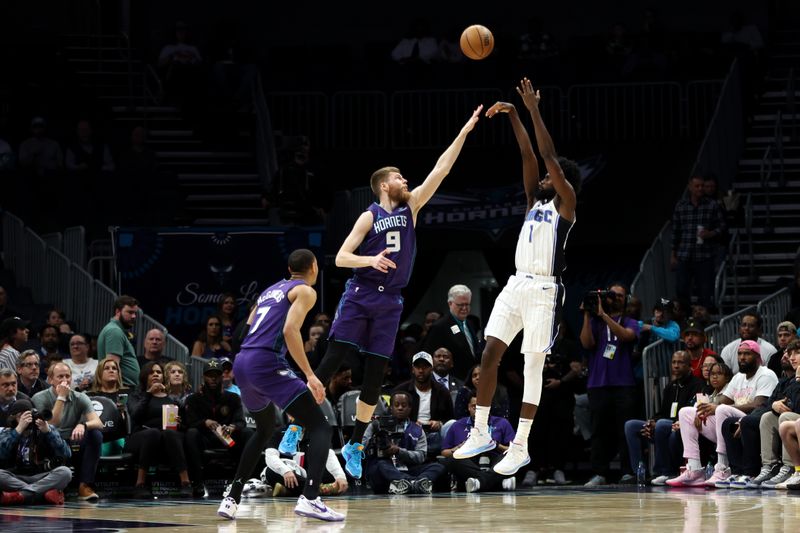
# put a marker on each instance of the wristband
(62, 398)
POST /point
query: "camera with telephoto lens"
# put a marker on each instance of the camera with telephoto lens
(590, 300)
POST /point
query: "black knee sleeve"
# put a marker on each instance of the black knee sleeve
(334, 356)
(374, 371)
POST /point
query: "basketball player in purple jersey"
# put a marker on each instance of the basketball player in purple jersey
(265, 378)
(532, 299)
(369, 311)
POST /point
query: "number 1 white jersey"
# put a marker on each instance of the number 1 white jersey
(542, 239)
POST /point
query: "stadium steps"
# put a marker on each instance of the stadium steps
(775, 233)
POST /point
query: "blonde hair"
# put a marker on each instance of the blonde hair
(186, 385)
(98, 375)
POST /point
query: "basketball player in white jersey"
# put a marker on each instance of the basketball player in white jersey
(532, 299)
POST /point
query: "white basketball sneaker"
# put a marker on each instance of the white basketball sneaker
(227, 509)
(316, 509)
(477, 443)
(515, 458)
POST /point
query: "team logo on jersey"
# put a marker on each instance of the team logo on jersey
(540, 215)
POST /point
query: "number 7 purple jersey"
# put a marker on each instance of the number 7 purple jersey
(393, 231)
(272, 306)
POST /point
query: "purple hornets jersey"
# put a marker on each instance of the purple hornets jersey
(394, 231)
(266, 331)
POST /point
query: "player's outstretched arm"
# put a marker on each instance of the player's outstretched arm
(548, 151)
(303, 299)
(530, 167)
(421, 194)
(347, 258)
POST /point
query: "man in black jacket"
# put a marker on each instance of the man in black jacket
(431, 403)
(679, 392)
(452, 332)
(214, 419)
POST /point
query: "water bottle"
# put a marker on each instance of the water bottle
(641, 475)
(709, 470)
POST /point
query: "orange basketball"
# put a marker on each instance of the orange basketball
(477, 42)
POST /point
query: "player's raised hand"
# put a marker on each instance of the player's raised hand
(500, 107)
(381, 262)
(476, 115)
(529, 97)
(316, 388)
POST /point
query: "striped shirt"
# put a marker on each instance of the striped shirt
(685, 220)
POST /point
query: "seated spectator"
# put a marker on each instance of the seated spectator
(226, 311)
(209, 343)
(228, 384)
(49, 348)
(442, 370)
(150, 440)
(748, 390)
(708, 364)
(39, 154)
(56, 317)
(108, 384)
(315, 331)
(397, 452)
(34, 456)
(660, 326)
(680, 392)
(86, 155)
(500, 402)
(431, 405)
(28, 381)
(749, 329)
(8, 390)
(694, 340)
(154, 348)
(138, 161)
(83, 367)
(477, 473)
(210, 416)
(759, 442)
(341, 382)
(790, 437)
(77, 422)
(177, 378)
(787, 332)
(285, 473)
(13, 336)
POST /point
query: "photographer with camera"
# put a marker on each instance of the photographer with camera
(610, 338)
(397, 450)
(32, 454)
(77, 422)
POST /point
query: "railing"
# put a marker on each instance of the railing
(722, 144)
(748, 229)
(773, 308)
(57, 280)
(790, 104)
(172, 347)
(654, 279)
(267, 158)
(765, 175)
(729, 264)
(75, 245)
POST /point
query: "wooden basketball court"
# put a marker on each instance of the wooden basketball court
(556, 509)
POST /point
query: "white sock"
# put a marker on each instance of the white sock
(482, 417)
(722, 460)
(694, 464)
(523, 430)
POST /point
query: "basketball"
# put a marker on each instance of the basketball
(477, 42)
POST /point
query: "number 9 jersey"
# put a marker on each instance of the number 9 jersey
(393, 231)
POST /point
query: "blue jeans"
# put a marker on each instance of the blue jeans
(382, 472)
(669, 447)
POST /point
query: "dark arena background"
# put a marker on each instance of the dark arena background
(178, 152)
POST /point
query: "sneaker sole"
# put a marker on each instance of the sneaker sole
(511, 472)
(226, 516)
(319, 517)
(463, 454)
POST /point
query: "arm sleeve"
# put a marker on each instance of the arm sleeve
(670, 333)
(333, 467)
(274, 462)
